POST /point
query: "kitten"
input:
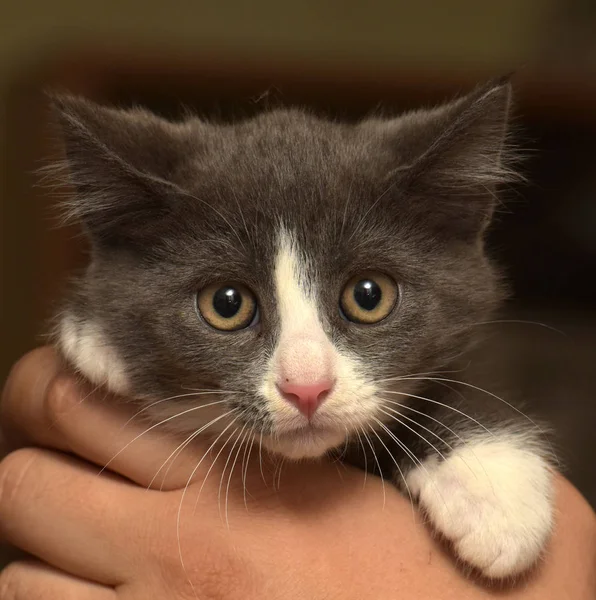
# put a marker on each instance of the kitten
(326, 279)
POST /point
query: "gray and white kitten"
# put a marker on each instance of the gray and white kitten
(326, 280)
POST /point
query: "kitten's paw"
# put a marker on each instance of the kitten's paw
(493, 500)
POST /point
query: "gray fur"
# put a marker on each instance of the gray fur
(169, 207)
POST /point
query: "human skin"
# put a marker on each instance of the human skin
(323, 534)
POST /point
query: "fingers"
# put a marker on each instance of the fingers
(43, 405)
(107, 434)
(60, 511)
(22, 416)
(28, 580)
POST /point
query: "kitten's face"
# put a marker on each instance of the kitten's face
(276, 277)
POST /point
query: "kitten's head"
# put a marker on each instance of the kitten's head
(276, 276)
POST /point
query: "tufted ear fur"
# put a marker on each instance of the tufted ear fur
(122, 165)
(453, 158)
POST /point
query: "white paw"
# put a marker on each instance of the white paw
(492, 498)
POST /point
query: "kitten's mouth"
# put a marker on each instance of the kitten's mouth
(306, 431)
(307, 441)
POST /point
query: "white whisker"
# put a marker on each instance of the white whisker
(241, 213)
(464, 442)
(236, 440)
(145, 408)
(419, 412)
(180, 414)
(245, 437)
(277, 475)
(261, 458)
(178, 518)
(416, 433)
(245, 465)
(522, 322)
(437, 435)
(395, 461)
(479, 389)
(214, 461)
(511, 406)
(396, 412)
(211, 391)
(421, 374)
(365, 458)
(217, 212)
(345, 215)
(368, 211)
(459, 412)
(413, 458)
(378, 464)
(182, 446)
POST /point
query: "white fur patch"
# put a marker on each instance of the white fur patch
(85, 346)
(493, 499)
(305, 353)
(295, 294)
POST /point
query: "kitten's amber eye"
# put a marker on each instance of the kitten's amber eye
(227, 307)
(369, 298)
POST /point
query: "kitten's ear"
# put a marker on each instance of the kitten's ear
(454, 157)
(120, 164)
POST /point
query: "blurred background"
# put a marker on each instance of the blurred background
(343, 57)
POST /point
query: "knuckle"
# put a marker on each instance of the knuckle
(27, 377)
(24, 363)
(20, 372)
(13, 469)
(59, 399)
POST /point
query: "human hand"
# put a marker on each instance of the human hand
(322, 535)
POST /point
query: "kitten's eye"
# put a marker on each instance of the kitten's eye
(369, 298)
(227, 307)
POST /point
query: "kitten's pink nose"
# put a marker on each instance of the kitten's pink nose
(306, 397)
